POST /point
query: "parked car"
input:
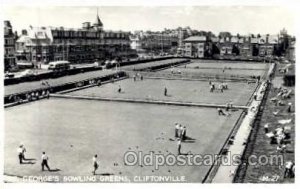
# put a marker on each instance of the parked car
(59, 65)
(99, 63)
(25, 64)
(26, 73)
(9, 75)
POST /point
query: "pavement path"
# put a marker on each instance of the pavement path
(225, 173)
(28, 86)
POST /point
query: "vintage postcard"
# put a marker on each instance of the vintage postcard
(99, 93)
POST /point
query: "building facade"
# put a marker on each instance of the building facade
(82, 45)
(267, 45)
(225, 46)
(154, 42)
(9, 46)
(117, 44)
(228, 46)
(290, 55)
(195, 46)
(246, 47)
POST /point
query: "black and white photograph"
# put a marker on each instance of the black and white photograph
(141, 93)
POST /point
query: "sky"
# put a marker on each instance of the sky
(235, 19)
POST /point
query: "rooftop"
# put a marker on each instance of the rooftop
(195, 38)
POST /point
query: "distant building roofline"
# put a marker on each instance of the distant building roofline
(195, 38)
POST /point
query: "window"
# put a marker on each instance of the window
(39, 33)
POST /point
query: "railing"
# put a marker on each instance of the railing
(55, 74)
(35, 94)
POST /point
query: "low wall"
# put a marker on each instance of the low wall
(55, 74)
(44, 91)
(148, 101)
(232, 58)
(48, 75)
(161, 66)
(225, 173)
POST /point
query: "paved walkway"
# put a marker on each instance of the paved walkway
(29, 86)
(225, 173)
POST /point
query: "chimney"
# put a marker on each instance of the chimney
(86, 25)
(24, 32)
(7, 23)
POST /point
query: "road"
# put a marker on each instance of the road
(27, 86)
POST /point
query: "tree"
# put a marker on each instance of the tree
(255, 50)
(235, 50)
(16, 35)
(277, 50)
(215, 49)
(209, 34)
(225, 34)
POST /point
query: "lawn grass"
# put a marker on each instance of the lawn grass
(221, 65)
(178, 90)
(217, 72)
(72, 131)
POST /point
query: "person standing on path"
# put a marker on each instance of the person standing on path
(266, 128)
(180, 131)
(179, 146)
(45, 162)
(289, 107)
(176, 130)
(288, 172)
(166, 91)
(20, 154)
(23, 151)
(95, 164)
(255, 96)
(183, 135)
